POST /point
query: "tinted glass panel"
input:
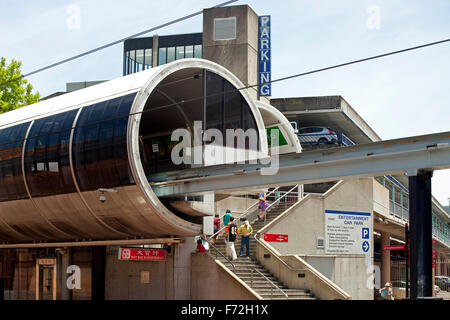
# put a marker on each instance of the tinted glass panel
(148, 58)
(99, 145)
(224, 28)
(189, 53)
(180, 53)
(12, 186)
(170, 54)
(47, 165)
(162, 56)
(198, 51)
(225, 106)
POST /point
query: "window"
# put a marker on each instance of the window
(132, 61)
(170, 54)
(148, 58)
(161, 56)
(180, 53)
(228, 110)
(99, 145)
(12, 186)
(46, 160)
(224, 28)
(198, 51)
(189, 51)
(139, 60)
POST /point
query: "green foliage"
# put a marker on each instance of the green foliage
(17, 93)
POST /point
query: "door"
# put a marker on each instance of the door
(46, 279)
(46, 289)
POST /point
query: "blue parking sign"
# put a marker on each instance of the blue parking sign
(365, 233)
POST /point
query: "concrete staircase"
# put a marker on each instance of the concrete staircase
(245, 266)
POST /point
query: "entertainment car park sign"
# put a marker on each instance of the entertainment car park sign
(347, 232)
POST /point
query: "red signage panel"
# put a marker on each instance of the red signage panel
(396, 247)
(138, 254)
(433, 257)
(276, 237)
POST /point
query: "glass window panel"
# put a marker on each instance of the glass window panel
(140, 60)
(100, 149)
(162, 56)
(148, 58)
(180, 53)
(198, 51)
(189, 53)
(140, 56)
(224, 28)
(12, 186)
(233, 107)
(214, 101)
(133, 61)
(170, 54)
(47, 165)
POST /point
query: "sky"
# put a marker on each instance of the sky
(398, 96)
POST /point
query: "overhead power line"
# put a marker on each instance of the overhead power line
(233, 90)
(114, 43)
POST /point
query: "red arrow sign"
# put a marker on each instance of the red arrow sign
(276, 237)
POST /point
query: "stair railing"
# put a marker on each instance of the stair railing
(291, 191)
(218, 251)
(276, 255)
(243, 215)
(270, 281)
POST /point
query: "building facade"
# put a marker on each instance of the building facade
(78, 219)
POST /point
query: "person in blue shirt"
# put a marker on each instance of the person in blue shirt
(226, 217)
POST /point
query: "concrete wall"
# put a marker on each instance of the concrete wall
(305, 222)
(211, 281)
(169, 280)
(237, 205)
(299, 274)
(380, 199)
(239, 55)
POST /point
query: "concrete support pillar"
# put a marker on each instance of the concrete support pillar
(155, 50)
(385, 258)
(182, 269)
(420, 233)
(66, 257)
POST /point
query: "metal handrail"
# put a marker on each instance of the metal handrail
(276, 256)
(271, 282)
(278, 200)
(244, 213)
(217, 250)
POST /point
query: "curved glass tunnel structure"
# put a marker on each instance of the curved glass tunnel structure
(57, 155)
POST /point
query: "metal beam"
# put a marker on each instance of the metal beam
(91, 243)
(379, 158)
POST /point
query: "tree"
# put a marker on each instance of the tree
(14, 93)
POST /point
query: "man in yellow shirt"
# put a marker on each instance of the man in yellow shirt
(245, 231)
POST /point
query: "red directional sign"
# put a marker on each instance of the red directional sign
(138, 254)
(396, 247)
(276, 237)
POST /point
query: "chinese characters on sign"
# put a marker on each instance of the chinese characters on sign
(138, 254)
(265, 89)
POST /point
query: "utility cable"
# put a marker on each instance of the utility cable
(235, 89)
(114, 43)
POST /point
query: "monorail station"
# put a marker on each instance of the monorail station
(94, 205)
